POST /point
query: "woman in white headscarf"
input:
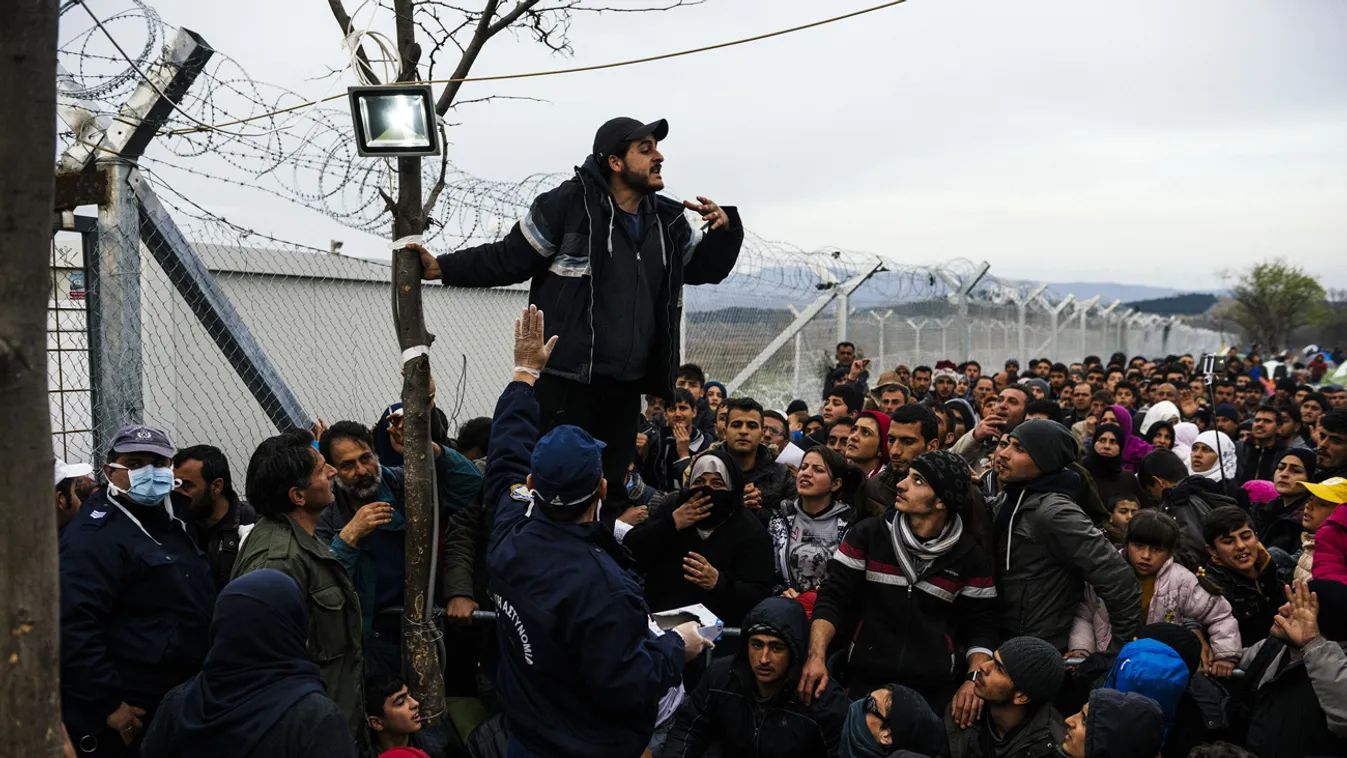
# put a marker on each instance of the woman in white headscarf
(1161, 411)
(1213, 456)
(1185, 433)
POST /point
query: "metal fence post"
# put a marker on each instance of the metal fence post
(799, 355)
(114, 311)
(843, 304)
(917, 326)
(883, 357)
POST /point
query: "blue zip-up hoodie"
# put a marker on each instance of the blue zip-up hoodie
(580, 672)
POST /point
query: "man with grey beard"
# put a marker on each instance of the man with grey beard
(366, 527)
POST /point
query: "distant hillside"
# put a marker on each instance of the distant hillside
(1110, 291)
(1189, 304)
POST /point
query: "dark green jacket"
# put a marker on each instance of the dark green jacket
(334, 608)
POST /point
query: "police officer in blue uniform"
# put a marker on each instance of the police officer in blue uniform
(580, 673)
(136, 599)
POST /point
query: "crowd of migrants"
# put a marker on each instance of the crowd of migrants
(947, 563)
(1102, 559)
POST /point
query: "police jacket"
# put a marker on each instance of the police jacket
(615, 301)
(580, 672)
(136, 604)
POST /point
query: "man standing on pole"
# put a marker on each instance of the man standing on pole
(608, 258)
(581, 674)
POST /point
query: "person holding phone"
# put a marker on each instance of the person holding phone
(607, 258)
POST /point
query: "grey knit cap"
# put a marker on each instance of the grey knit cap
(1036, 668)
(1051, 445)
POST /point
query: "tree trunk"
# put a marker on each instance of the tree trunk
(421, 660)
(29, 652)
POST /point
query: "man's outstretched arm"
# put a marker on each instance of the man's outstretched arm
(514, 426)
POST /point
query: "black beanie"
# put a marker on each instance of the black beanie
(948, 474)
(1050, 444)
(1307, 459)
(1184, 642)
(1036, 668)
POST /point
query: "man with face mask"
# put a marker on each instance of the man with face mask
(607, 256)
(206, 500)
(136, 599)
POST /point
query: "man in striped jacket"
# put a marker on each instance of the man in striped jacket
(915, 586)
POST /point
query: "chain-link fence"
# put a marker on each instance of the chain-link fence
(216, 339)
(911, 315)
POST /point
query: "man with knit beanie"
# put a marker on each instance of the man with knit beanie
(1047, 549)
(916, 586)
(1018, 685)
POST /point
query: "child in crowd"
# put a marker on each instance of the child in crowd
(1121, 509)
(1170, 593)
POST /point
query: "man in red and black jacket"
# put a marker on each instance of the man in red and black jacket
(917, 587)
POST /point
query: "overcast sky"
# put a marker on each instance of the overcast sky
(1152, 141)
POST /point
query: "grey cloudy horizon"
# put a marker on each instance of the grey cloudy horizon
(1150, 142)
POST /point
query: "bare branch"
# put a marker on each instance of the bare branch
(489, 98)
(344, 21)
(479, 37)
(439, 183)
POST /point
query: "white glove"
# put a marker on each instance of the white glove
(694, 644)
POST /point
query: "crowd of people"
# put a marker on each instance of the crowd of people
(935, 561)
(1129, 557)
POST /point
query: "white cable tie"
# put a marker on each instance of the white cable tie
(415, 351)
(402, 242)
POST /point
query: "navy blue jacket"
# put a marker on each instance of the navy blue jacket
(135, 615)
(580, 672)
(612, 299)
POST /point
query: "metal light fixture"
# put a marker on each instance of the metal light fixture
(394, 120)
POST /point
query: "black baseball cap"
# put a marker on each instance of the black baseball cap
(615, 131)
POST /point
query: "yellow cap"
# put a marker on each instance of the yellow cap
(1329, 490)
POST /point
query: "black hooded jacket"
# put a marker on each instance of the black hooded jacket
(1190, 501)
(615, 302)
(739, 548)
(725, 709)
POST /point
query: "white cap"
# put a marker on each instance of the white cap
(70, 471)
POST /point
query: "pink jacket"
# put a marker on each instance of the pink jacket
(1330, 548)
(1178, 598)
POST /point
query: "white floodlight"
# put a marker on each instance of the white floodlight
(394, 120)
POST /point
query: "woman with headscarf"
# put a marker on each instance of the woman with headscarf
(1133, 447)
(1161, 434)
(705, 547)
(1105, 463)
(1213, 456)
(1185, 433)
(1161, 411)
(257, 694)
(1279, 522)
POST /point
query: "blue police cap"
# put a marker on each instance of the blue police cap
(566, 467)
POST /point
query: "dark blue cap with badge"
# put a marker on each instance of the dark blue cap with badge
(135, 438)
(566, 467)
